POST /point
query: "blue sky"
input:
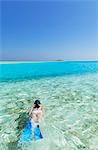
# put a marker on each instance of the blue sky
(49, 30)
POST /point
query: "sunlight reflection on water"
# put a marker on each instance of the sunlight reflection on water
(71, 112)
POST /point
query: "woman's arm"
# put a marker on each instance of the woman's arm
(43, 111)
(30, 112)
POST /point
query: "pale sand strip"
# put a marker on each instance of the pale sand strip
(21, 62)
(18, 62)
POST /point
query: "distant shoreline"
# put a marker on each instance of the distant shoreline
(18, 62)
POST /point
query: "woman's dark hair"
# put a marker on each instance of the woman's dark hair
(36, 104)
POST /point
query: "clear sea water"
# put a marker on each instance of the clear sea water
(69, 93)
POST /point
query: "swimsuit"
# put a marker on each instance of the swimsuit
(37, 115)
(37, 111)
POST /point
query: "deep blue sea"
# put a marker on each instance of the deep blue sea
(69, 93)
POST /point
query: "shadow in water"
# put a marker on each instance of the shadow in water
(22, 121)
(13, 146)
(21, 124)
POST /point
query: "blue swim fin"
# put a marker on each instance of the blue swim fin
(27, 134)
(38, 134)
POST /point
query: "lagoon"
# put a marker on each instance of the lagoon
(69, 93)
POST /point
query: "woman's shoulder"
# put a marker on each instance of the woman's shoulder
(41, 106)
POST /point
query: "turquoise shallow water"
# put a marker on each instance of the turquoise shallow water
(25, 71)
(70, 98)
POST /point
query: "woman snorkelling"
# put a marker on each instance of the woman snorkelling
(36, 113)
(32, 129)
